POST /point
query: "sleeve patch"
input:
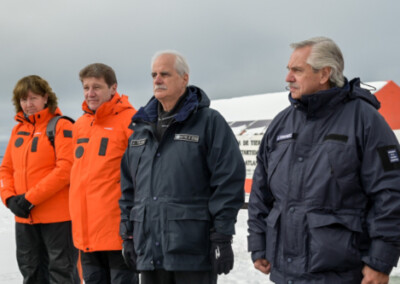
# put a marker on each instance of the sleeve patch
(390, 157)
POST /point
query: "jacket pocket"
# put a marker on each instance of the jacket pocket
(188, 229)
(343, 161)
(139, 237)
(272, 235)
(333, 242)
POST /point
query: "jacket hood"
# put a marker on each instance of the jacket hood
(316, 104)
(118, 103)
(356, 92)
(196, 99)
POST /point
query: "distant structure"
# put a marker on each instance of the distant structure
(249, 116)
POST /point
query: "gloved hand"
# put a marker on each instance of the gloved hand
(25, 204)
(221, 253)
(129, 254)
(19, 206)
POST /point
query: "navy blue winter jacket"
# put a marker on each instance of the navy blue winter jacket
(325, 198)
(176, 190)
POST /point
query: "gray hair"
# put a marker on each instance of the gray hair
(181, 65)
(325, 53)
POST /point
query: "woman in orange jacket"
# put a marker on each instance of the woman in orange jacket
(34, 185)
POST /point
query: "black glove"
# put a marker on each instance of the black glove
(25, 204)
(19, 206)
(129, 254)
(221, 253)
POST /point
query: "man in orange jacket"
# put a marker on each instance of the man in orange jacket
(100, 137)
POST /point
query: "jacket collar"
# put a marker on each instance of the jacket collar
(42, 116)
(318, 104)
(194, 100)
(117, 104)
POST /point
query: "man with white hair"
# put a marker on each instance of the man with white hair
(182, 179)
(325, 202)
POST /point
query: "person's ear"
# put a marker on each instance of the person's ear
(325, 75)
(186, 79)
(114, 88)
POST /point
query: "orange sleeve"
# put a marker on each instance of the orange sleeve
(7, 174)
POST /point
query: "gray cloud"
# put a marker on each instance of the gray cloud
(234, 48)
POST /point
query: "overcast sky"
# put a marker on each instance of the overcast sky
(234, 48)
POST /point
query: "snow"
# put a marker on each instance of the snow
(9, 272)
(264, 106)
(242, 273)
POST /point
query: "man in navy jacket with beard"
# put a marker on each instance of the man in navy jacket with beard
(182, 179)
(325, 201)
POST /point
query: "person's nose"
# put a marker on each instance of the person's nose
(90, 92)
(290, 77)
(158, 80)
(29, 102)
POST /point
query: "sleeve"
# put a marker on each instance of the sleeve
(128, 128)
(380, 177)
(7, 174)
(227, 170)
(126, 200)
(260, 204)
(59, 176)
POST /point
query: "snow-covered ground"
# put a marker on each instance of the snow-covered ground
(242, 273)
(9, 272)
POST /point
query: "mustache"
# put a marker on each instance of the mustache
(160, 87)
(291, 85)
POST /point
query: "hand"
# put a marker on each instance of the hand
(263, 265)
(17, 207)
(372, 276)
(129, 254)
(25, 204)
(221, 254)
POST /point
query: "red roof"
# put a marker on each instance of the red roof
(389, 96)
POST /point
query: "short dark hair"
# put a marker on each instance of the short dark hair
(99, 70)
(36, 85)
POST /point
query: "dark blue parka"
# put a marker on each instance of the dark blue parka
(326, 190)
(176, 190)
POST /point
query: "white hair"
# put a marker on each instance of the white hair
(181, 65)
(325, 53)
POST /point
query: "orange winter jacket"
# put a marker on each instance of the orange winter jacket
(31, 165)
(99, 141)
